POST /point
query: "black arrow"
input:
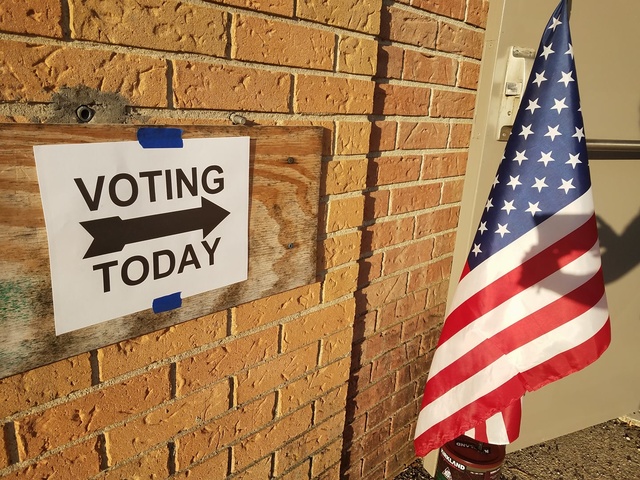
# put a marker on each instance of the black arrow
(111, 234)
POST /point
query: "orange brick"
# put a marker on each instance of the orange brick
(269, 309)
(319, 94)
(370, 270)
(313, 326)
(301, 471)
(4, 453)
(414, 198)
(452, 104)
(385, 291)
(326, 458)
(309, 443)
(460, 135)
(429, 275)
(41, 18)
(468, 75)
(383, 136)
(81, 459)
(38, 70)
(279, 7)
(330, 404)
(345, 213)
(269, 41)
(444, 244)
(72, 420)
(220, 362)
(460, 40)
(407, 256)
(477, 12)
(447, 8)
(262, 469)
(406, 26)
(218, 435)
(421, 135)
(135, 353)
(271, 438)
(376, 204)
(332, 473)
(225, 87)
(390, 61)
(343, 176)
(339, 282)
(440, 165)
(168, 25)
(336, 346)
(314, 385)
(213, 467)
(384, 234)
(437, 221)
(394, 99)
(153, 464)
(339, 249)
(360, 15)
(357, 55)
(352, 138)
(276, 372)
(429, 68)
(26, 390)
(452, 191)
(155, 427)
(393, 170)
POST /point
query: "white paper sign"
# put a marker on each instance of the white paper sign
(132, 228)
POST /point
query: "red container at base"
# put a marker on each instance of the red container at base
(467, 459)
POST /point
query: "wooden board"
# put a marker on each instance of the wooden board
(283, 208)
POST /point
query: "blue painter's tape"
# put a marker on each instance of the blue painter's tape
(157, 137)
(166, 303)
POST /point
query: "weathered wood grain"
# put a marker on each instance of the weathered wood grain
(283, 209)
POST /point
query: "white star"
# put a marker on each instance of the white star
(566, 78)
(579, 134)
(566, 185)
(502, 230)
(508, 206)
(546, 51)
(520, 157)
(476, 249)
(554, 24)
(496, 181)
(574, 160)
(483, 227)
(540, 78)
(546, 158)
(540, 184)
(553, 132)
(560, 105)
(526, 131)
(489, 204)
(514, 182)
(570, 51)
(533, 208)
(533, 105)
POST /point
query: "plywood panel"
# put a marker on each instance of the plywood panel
(283, 209)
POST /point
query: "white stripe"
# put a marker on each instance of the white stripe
(517, 307)
(497, 430)
(539, 350)
(534, 241)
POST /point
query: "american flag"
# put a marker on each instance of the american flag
(530, 307)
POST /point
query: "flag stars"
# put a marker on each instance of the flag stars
(579, 134)
(514, 181)
(540, 78)
(502, 230)
(489, 205)
(496, 181)
(533, 208)
(570, 51)
(476, 249)
(554, 23)
(546, 158)
(566, 185)
(526, 131)
(482, 228)
(546, 51)
(540, 184)
(508, 206)
(574, 160)
(520, 157)
(560, 105)
(553, 132)
(566, 78)
(533, 106)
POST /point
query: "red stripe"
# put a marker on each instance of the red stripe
(522, 277)
(529, 328)
(468, 417)
(480, 433)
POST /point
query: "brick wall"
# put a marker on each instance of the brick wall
(320, 382)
